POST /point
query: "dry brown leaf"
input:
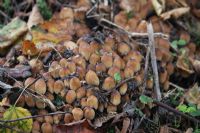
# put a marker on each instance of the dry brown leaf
(126, 123)
(58, 29)
(184, 64)
(175, 13)
(29, 48)
(196, 65)
(98, 122)
(189, 130)
(35, 17)
(158, 6)
(81, 126)
(193, 95)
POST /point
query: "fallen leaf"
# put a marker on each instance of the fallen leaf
(193, 95)
(29, 48)
(81, 126)
(16, 113)
(34, 18)
(184, 64)
(11, 32)
(56, 30)
(175, 13)
(126, 123)
(189, 130)
(158, 7)
(196, 65)
(98, 122)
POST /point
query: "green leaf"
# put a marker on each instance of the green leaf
(16, 113)
(145, 99)
(191, 109)
(117, 77)
(182, 108)
(181, 42)
(174, 44)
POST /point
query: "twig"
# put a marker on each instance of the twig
(134, 34)
(25, 89)
(35, 116)
(120, 84)
(5, 86)
(153, 61)
(139, 123)
(4, 14)
(176, 86)
(176, 111)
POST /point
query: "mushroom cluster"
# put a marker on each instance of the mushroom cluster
(83, 75)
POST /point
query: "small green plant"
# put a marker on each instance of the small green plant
(190, 109)
(178, 43)
(44, 9)
(145, 99)
(174, 99)
(117, 77)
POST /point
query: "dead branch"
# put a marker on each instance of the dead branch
(153, 61)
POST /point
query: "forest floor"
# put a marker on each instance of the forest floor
(88, 66)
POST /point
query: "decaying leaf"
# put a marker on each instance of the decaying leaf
(29, 48)
(58, 29)
(98, 122)
(34, 18)
(196, 65)
(126, 123)
(158, 6)
(15, 113)
(11, 32)
(175, 13)
(81, 126)
(184, 65)
(193, 95)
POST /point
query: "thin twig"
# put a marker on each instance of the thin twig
(133, 34)
(25, 89)
(153, 61)
(176, 111)
(176, 86)
(120, 84)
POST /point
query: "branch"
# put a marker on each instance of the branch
(176, 111)
(153, 61)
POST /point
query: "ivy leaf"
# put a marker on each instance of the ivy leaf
(174, 44)
(145, 99)
(117, 77)
(182, 108)
(16, 113)
(181, 42)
